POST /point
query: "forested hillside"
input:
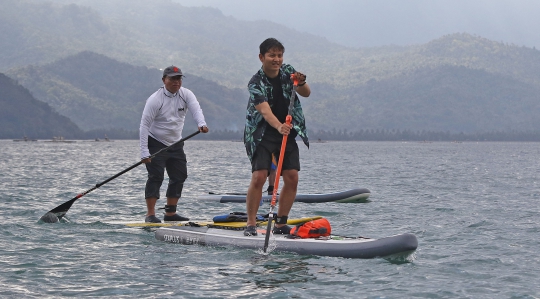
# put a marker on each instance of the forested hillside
(96, 61)
(447, 98)
(97, 92)
(22, 115)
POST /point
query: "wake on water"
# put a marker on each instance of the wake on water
(272, 245)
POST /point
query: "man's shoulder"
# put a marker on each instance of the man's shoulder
(156, 95)
(287, 68)
(186, 92)
(184, 89)
(256, 78)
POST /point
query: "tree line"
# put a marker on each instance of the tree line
(340, 135)
(423, 135)
(392, 135)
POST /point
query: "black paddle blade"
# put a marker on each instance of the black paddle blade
(57, 213)
(49, 218)
(268, 231)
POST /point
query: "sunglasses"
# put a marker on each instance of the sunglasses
(175, 78)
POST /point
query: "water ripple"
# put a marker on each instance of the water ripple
(473, 207)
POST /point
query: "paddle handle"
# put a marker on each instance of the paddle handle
(293, 94)
(288, 121)
(294, 79)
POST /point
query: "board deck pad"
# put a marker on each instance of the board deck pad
(218, 224)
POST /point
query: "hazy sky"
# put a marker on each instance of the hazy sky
(401, 22)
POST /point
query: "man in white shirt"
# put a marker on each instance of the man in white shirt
(161, 126)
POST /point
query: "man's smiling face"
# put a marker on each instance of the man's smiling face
(272, 61)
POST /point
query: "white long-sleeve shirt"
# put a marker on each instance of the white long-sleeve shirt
(164, 114)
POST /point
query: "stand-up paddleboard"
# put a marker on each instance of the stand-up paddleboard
(349, 196)
(335, 246)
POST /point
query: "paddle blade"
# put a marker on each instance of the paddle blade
(268, 230)
(49, 218)
(58, 212)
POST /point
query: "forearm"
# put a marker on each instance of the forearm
(271, 119)
(265, 110)
(143, 142)
(195, 108)
(144, 129)
(303, 90)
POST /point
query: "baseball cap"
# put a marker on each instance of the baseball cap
(172, 71)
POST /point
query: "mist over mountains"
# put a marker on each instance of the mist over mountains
(96, 62)
(100, 92)
(371, 23)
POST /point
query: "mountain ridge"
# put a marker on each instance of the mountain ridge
(353, 89)
(22, 115)
(98, 92)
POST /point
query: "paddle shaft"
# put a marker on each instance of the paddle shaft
(288, 121)
(62, 209)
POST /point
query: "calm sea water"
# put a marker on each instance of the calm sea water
(473, 206)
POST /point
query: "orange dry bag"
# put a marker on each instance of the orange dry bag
(312, 229)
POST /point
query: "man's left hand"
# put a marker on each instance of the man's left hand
(203, 129)
(300, 77)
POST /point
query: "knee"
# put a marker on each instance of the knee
(177, 180)
(258, 178)
(290, 178)
(155, 177)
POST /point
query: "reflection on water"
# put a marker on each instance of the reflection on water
(272, 271)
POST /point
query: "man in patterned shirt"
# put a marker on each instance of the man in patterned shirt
(270, 90)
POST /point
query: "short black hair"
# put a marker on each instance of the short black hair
(270, 43)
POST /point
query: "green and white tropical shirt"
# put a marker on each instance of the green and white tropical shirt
(260, 90)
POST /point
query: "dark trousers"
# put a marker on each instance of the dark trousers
(174, 161)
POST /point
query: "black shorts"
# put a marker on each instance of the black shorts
(262, 158)
(174, 160)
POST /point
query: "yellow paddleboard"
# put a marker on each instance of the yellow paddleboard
(224, 224)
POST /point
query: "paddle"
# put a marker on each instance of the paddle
(288, 121)
(57, 213)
